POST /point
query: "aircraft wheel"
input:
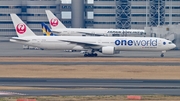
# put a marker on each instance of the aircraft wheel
(91, 55)
(162, 55)
(85, 55)
(95, 54)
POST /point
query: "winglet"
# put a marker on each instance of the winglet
(54, 22)
(22, 30)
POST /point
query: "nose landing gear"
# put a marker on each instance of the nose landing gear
(162, 54)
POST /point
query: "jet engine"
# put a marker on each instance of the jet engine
(109, 50)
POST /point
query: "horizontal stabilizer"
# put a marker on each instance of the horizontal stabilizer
(19, 39)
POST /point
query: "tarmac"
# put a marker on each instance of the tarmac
(86, 86)
(82, 87)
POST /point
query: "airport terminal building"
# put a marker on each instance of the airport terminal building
(30, 11)
(121, 14)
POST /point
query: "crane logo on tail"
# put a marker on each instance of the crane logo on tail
(21, 28)
(54, 22)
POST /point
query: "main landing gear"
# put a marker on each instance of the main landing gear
(162, 54)
(92, 54)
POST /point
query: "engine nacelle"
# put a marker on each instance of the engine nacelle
(108, 50)
(78, 48)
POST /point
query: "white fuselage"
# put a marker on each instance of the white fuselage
(119, 43)
(98, 32)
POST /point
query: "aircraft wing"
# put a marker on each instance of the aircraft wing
(81, 43)
(19, 39)
(91, 34)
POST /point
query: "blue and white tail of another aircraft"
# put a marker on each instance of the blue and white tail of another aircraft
(46, 30)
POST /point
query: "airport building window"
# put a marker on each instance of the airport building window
(4, 15)
(138, 7)
(136, 15)
(24, 9)
(104, 0)
(41, 7)
(42, 0)
(66, 15)
(66, 1)
(88, 22)
(140, 23)
(90, 15)
(104, 15)
(173, 15)
(90, 1)
(66, 22)
(66, 7)
(6, 22)
(36, 22)
(89, 7)
(4, 6)
(10, 6)
(104, 22)
(104, 7)
(7, 30)
(52, 7)
(31, 14)
(174, 7)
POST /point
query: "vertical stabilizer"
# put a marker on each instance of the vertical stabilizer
(46, 30)
(54, 22)
(22, 30)
(43, 28)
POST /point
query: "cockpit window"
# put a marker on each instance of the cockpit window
(170, 42)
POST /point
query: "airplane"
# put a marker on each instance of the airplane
(91, 45)
(58, 27)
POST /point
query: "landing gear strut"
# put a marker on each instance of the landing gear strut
(92, 54)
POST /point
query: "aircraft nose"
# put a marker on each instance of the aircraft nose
(174, 46)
